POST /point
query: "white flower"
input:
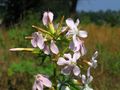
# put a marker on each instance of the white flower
(74, 30)
(70, 64)
(86, 79)
(47, 18)
(40, 82)
(37, 40)
(76, 44)
(93, 61)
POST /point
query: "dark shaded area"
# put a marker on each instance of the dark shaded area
(73, 6)
(16, 10)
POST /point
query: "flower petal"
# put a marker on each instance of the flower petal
(45, 18)
(95, 55)
(46, 50)
(71, 46)
(76, 42)
(70, 23)
(90, 78)
(77, 22)
(37, 85)
(54, 47)
(83, 50)
(40, 41)
(34, 40)
(82, 34)
(83, 79)
(45, 81)
(34, 86)
(61, 61)
(66, 70)
(88, 72)
(68, 56)
(94, 63)
(69, 33)
(50, 15)
(76, 56)
(76, 70)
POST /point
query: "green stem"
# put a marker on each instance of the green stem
(55, 75)
(42, 30)
(60, 25)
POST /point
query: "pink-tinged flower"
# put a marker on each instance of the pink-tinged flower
(93, 61)
(54, 47)
(70, 64)
(77, 45)
(47, 18)
(86, 80)
(37, 40)
(46, 50)
(40, 82)
(47, 21)
(74, 30)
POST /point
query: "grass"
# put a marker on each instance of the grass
(106, 40)
(24, 65)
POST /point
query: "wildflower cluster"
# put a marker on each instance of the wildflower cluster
(65, 44)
